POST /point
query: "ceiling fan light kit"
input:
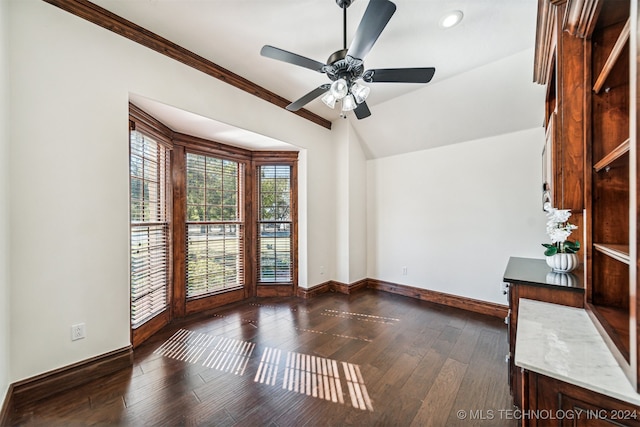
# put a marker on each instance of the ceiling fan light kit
(350, 96)
(345, 66)
(360, 92)
(339, 88)
(348, 103)
(329, 100)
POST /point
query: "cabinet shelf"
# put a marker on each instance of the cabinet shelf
(617, 252)
(593, 89)
(613, 57)
(614, 155)
(616, 322)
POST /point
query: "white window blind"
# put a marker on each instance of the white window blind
(150, 238)
(214, 228)
(274, 224)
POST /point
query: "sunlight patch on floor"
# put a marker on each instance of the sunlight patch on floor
(306, 374)
(315, 376)
(222, 354)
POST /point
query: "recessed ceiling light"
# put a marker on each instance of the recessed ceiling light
(451, 19)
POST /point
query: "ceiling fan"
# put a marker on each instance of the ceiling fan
(345, 67)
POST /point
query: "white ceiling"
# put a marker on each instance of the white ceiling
(231, 33)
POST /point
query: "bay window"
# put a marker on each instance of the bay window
(210, 224)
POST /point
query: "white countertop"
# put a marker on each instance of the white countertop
(563, 343)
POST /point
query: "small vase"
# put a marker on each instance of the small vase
(563, 263)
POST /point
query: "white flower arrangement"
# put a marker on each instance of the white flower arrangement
(559, 229)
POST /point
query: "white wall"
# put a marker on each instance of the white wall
(454, 215)
(70, 83)
(350, 186)
(495, 99)
(4, 210)
(357, 209)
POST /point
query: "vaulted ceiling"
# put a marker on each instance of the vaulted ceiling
(482, 85)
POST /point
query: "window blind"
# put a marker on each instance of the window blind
(214, 226)
(274, 224)
(150, 236)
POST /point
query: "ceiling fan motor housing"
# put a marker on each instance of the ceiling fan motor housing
(342, 66)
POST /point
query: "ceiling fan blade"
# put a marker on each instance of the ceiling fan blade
(362, 111)
(296, 105)
(399, 75)
(373, 21)
(291, 58)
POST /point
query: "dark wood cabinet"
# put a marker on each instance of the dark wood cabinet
(567, 373)
(587, 56)
(552, 402)
(533, 279)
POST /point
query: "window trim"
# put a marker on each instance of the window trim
(288, 158)
(184, 144)
(141, 122)
(239, 221)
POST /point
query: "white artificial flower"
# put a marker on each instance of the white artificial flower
(558, 228)
(558, 215)
(558, 235)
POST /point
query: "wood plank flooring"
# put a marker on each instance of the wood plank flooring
(370, 358)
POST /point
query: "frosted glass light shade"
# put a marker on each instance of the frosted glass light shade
(339, 88)
(329, 100)
(360, 92)
(348, 103)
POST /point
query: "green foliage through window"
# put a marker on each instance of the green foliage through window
(215, 231)
(275, 232)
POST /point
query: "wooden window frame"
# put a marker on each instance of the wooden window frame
(148, 126)
(284, 158)
(240, 221)
(183, 144)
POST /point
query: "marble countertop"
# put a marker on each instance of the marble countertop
(563, 343)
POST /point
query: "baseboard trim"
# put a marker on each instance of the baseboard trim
(314, 291)
(348, 289)
(464, 303)
(332, 286)
(52, 382)
(7, 405)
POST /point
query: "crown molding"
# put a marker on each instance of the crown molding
(112, 22)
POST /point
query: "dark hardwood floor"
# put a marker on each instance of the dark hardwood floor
(370, 358)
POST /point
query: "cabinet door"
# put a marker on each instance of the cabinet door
(574, 412)
(553, 402)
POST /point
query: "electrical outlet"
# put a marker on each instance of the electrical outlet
(404, 271)
(504, 288)
(77, 332)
